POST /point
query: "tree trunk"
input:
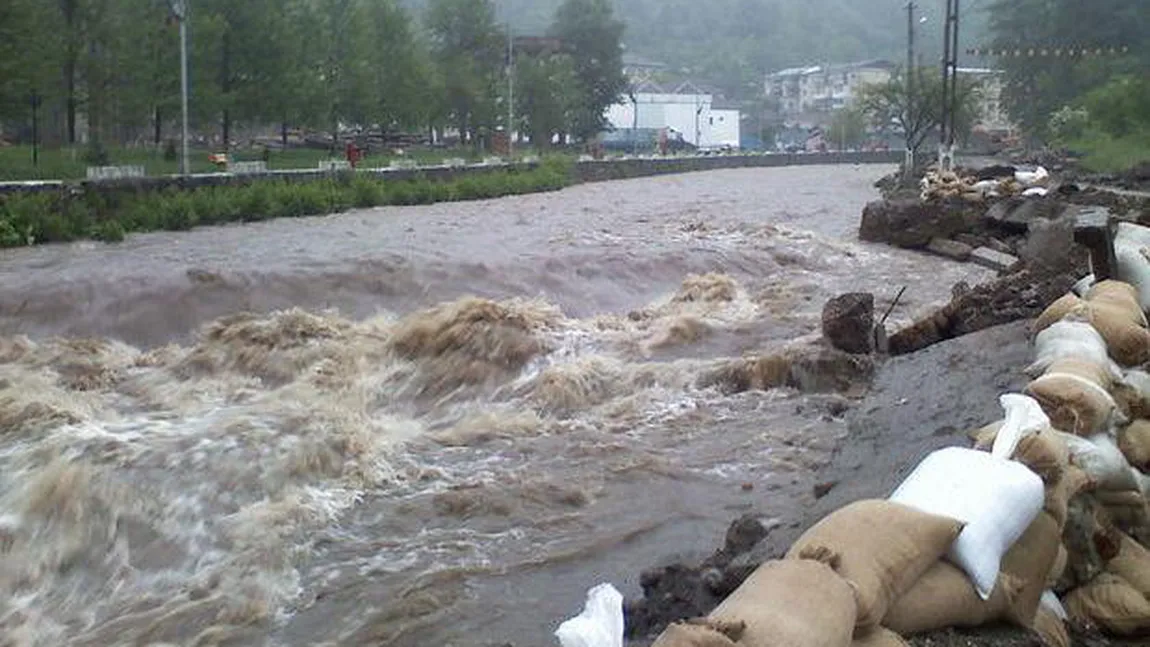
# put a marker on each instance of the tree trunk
(68, 8)
(157, 124)
(284, 134)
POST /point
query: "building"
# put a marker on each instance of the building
(992, 115)
(824, 88)
(687, 111)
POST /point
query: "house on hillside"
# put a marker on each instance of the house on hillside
(822, 89)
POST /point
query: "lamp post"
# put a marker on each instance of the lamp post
(180, 12)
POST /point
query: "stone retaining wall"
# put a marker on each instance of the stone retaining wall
(589, 171)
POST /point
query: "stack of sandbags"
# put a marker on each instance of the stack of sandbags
(1132, 253)
(834, 586)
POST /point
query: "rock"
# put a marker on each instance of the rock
(824, 488)
(830, 370)
(994, 260)
(970, 239)
(1016, 214)
(911, 223)
(1050, 243)
(998, 246)
(848, 322)
(950, 248)
(995, 172)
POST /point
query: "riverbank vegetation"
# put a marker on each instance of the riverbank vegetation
(109, 214)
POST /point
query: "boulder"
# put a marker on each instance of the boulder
(1016, 214)
(998, 246)
(994, 260)
(848, 322)
(912, 223)
(950, 248)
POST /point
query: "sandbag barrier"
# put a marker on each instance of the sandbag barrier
(1043, 523)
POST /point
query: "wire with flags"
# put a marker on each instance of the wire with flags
(1047, 52)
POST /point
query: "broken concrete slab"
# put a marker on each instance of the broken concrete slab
(969, 239)
(950, 248)
(994, 260)
(998, 246)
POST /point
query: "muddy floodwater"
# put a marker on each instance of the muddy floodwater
(414, 426)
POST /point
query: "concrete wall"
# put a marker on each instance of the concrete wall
(590, 171)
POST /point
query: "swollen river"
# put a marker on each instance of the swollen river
(416, 426)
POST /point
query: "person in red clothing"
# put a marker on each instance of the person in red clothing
(352, 153)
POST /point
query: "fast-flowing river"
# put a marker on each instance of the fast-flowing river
(415, 426)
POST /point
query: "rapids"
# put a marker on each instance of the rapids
(427, 425)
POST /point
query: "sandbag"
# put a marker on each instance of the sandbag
(1133, 394)
(880, 637)
(1056, 311)
(1071, 338)
(1134, 442)
(794, 602)
(1059, 567)
(1110, 604)
(1045, 453)
(1127, 510)
(1120, 294)
(1030, 561)
(882, 547)
(693, 634)
(1073, 398)
(1102, 460)
(1051, 629)
(998, 499)
(943, 597)
(1132, 265)
(1083, 285)
(1132, 563)
(1127, 340)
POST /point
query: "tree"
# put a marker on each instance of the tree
(593, 37)
(467, 49)
(545, 96)
(917, 117)
(1038, 86)
(399, 67)
(848, 128)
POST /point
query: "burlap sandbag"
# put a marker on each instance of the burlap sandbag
(1030, 561)
(1051, 629)
(1046, 454)
(983, 437)
(879, 637)
(1111, 604)
(884, 548)
(1074, 394)
(1058, 495)
(944, 597)
(1134, 441)
(1128, 510)
(1132, 564)
(693, 634)
(794, 602)
(1127, 341)
(1055, 312)
(1119, 294)
(1059, 567)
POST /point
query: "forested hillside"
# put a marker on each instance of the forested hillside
(732, 42)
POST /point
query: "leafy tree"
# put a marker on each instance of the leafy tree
(467, 49)
(917, 116)
(593, 36)
(546, 95)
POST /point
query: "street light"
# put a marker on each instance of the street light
(180, 12)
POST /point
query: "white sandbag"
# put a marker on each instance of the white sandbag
(1070, 339)
(1140, 380)
(996, 498)
(1035, 192)
(599, 625)
(1083, 285)
(1037, 177)
(1051, 603)
(1024, 416)
(1102, 460)
(1131, 243)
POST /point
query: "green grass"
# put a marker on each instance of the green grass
(1103, 153)
(68, 163)
(110, 214)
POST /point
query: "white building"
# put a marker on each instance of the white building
(824, 88)
(686, 110)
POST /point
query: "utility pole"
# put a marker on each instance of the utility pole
(949, 87)
(908, 160)
(180, 11)
(510, 92)
(35, 99)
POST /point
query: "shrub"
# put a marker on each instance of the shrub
(109, 231)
